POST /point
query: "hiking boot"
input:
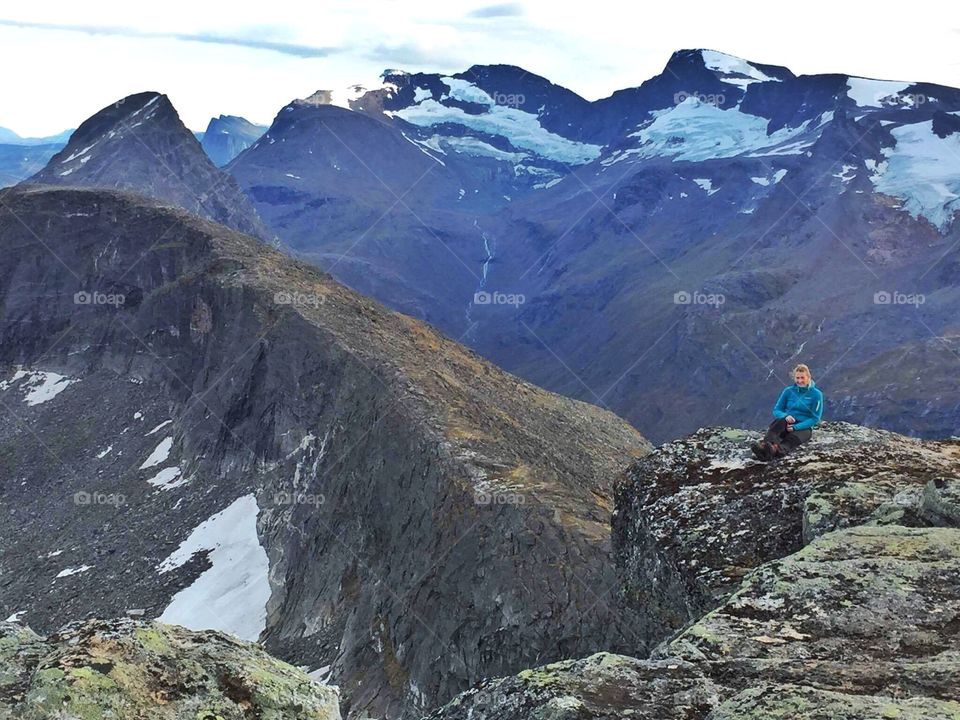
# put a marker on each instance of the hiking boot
(760, 450)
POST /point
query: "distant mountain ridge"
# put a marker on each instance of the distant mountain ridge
(9, 137)
(718, 178)
(227, 136)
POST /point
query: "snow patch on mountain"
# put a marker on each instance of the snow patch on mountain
(474, 146)
(694, 131)
(159, 455)
(232, 594)
(40, 385)
(167, 479)
(78, 153)
(706, 184)
(923, 170)
(871, 93)
(67, 572)
(734, 70)
(158, 427)
(522, 129)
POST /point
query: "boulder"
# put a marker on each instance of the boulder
(125, 669)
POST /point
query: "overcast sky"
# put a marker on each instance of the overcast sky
(63, 60)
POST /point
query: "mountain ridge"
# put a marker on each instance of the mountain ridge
(139, 143)
(222, 394)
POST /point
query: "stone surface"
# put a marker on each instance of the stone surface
(845, 611)
(124, 669)
(697, 515)
(940, 503)
(864, 609)
(803, 703)
(600, 687)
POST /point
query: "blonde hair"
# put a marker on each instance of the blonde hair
(803, 368)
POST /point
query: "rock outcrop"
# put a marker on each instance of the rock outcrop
(127, 669)
(824, 585)
(205, 431)
(696, 516)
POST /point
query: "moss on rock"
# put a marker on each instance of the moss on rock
(123, 669)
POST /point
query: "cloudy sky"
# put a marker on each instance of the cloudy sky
(63, 60)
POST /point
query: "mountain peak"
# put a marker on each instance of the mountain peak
(140, 144)
(728, 68)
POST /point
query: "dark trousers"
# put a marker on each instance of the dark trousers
(777, 434)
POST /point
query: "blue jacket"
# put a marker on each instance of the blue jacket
(804, 403)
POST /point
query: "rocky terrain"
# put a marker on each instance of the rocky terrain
(825, 585)
(201, 430)
(140, 144)
(127, 669)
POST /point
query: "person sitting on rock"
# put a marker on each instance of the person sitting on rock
(797, 412)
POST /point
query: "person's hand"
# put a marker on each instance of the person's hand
(790, 419)
(789, 428)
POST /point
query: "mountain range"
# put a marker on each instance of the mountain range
(379, 392)
(666, 252)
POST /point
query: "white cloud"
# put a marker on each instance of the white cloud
(62, 77)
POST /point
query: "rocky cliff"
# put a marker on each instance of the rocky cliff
(199, 429)
(825, 585)
(127, 669)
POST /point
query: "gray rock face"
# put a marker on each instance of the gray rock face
(140, 144)
(700, 513)
(128, 669)
(202, 408)
(227, 136)
(849, 611)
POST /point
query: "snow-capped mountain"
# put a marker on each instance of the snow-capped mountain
(782, 193)
(227, 136)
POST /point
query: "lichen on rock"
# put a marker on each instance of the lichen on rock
(125, 669)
